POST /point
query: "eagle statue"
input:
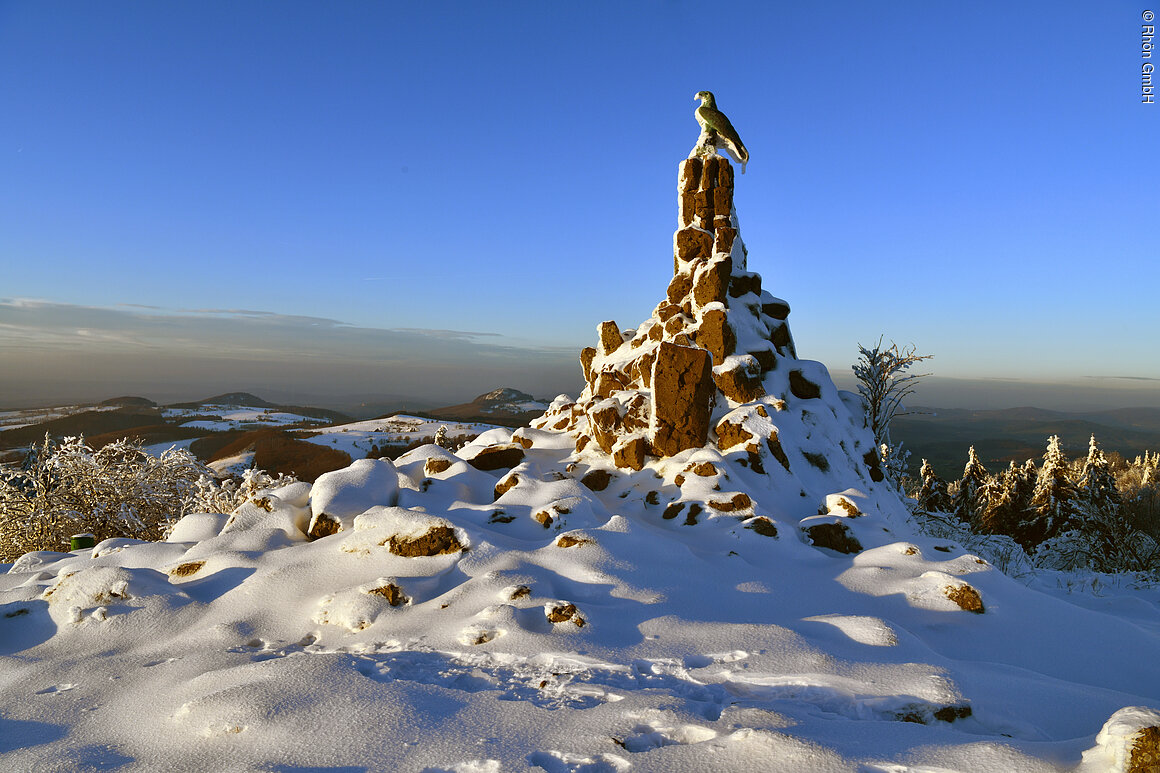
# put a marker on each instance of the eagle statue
(716, 130)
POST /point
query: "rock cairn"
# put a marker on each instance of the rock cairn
(713, 362)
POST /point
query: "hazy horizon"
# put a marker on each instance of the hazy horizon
(61, 353)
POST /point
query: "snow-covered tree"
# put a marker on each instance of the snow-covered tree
(883, 383)
(968, 499)
(932, 496)
(1053, 508)
(116, 491)
(1007, 499)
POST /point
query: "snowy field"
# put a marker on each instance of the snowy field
(464, 620)
(222, 418)
(358, 438)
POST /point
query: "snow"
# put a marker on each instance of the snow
(358, 437)
(223, 418)
(608, 639)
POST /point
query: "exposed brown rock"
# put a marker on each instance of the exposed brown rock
(691, 517)
(186, 569)
(666, 310)
(692, 243)
(873, 462)
(569, 541)
(610, 338)
(777, 309)
(563, 613)
(437, 541)
(544, 518)
(392, 593)
(851, 509)
(762, 526)
(744, 283)
(436, 465)
(497, 457)
(506, 485)
(608, 382)
(597, 480)
(711, 281)
(966, 597)
(766, 359)
(724, 236)
(631, 454)
(1145, 755)
(587, 355)
(774, 445)
(679, 287)
(835, 536)
(604, 423)
(704, 469)
(742, 382)
(802, 387)
(703, 201)
(323, 525)
(673, 510)
(739, 501)
(690, 175)
(780, 336)
(722, 200)
(682, 398)
(731, 433)
(716, 335)
(582, 441)
(519, 592)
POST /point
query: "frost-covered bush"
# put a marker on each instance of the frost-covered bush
(883, 383)
(116, 491)
(225, 496)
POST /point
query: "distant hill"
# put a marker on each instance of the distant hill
(943, 435)
(505, 406)
(247, 400)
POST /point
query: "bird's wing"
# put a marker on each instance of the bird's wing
(716, 120)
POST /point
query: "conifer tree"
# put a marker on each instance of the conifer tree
(1053, 507)
(932, 496)
(968, 501)
(1007, 501)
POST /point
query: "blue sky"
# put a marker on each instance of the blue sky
(347, 191)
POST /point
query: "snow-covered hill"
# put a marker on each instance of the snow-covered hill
(693, 566)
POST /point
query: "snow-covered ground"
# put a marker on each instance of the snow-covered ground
(28, 417)
(222, 418)
(464, 620)
(358, 438)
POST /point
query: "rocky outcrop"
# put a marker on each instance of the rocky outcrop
(711, 365)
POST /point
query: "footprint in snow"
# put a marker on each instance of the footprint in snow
(57, 689)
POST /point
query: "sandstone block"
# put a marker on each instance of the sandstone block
(690, 176)
(497, 457)
(724, 173)
(722, 200)
(682, 382)
(731, 433)
(835, 536)
(780, 336)
(802, 387)
(724, 236)
(610, 338)
(692, 243)
(711, 282)
(777, 309)
(631, 454)
(716, 335)
(608, 382)
(740, 383)
(688, 209)
(679, 287)
(745, 283)
(587, 355)
(766, 359)
(711, 169)
(703, 201)
(597, 480)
